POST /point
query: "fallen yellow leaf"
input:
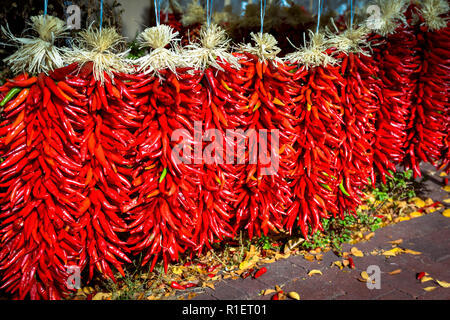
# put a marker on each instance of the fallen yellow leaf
(393, 252)
(400, 219)
(399, 241)
(364, 275)
(447, 200)
(429, 288)
(415, 214)
(442, 174)
(314, 271)
(294, 295)
(443, 284)
(356, 252)
(209, 285)
(369, 236)
(101, 296)
(88, 290)
(396, 271)
(425, 279)
(268, 291)
(446, 213)
(177, 270)
(412, 252)
(309, 257)
(418, 202)
(446, 188)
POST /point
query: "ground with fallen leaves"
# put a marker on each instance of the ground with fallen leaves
(228, 271)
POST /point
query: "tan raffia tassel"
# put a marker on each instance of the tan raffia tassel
(99, 47)
(265, 47)
(431, 11)
(38, 54)
(391, 15)
(194, 14)
(160, 57)
(353, 40)
(211, 49)
(312, 54)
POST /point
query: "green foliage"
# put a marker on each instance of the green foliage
(135, 50)
(337, 231)
(265, 242)
(398, 187)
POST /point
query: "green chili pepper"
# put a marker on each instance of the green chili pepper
(341, 186)
(10, 95)
(325, 186)
(327, 175)
(163, 175)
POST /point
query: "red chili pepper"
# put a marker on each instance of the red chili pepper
(420, 275)
(260, 272)
(351, 263)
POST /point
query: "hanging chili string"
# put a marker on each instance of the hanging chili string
(263, 13)
(158, 11)
(352, 13)
(101, 14)
(209, 10)
(319, 13)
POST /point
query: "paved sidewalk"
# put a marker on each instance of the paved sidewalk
(428, 234)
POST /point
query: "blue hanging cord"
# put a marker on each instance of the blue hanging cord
(158, 11)
(263, 13)
(319, 12)
(352, 12)
(209, 11)
(45, 7)
(101, 14)
(208, 22)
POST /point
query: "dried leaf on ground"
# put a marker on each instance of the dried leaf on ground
(429, 288)
(396, 271)
(364, 275)
(443, 284)
(395, 242)
(400, 219)
(409, 251)
(446, 188)
(393, 252)
(418, 202)
(294, 295)
(102, 296)
(415, 214)
(177, 270)
(309, 257)
(446, 213)
(369, 236)
(425, 279)
(356, 252)
(268, 291)
(209, 285)
(314, 271)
